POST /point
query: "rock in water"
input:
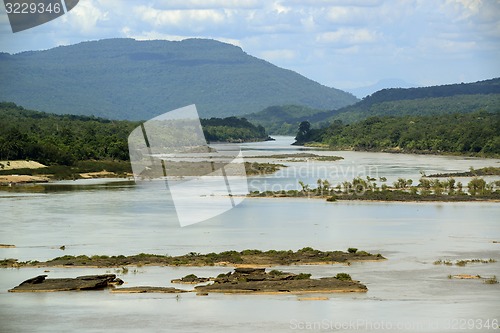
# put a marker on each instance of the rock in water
(88, 282)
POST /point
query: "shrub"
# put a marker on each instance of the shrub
(492, 280)
(343, 277)
(250, 252)
(352, 250)
(302, 276)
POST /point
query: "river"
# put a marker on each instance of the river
(406, 293)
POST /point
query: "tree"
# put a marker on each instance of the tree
(304, 131)
(477, 186)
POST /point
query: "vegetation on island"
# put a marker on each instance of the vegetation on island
(232, 129)
(486, 171)
(463, 262)
(476, 133)
(401, 190)
(306, 255)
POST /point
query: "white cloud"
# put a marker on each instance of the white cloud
(349, 36)
(278, 55)
(86, 16)
(186, 17)
(205, 4)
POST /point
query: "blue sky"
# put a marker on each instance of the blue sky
(339, 43)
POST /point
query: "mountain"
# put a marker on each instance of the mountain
(137, 80)
(444, 99)
(434, 100)
(382, 84)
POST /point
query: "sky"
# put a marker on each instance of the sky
(339, 43)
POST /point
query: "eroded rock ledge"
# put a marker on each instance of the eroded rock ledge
(256, 280)
(87, 282)
(242, 280)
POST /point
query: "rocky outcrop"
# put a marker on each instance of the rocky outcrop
(256, 280)
(191, 279)
(89, 282)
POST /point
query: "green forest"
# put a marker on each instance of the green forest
(476, 133)
(123, 78)
(66, 139)
(232, 129)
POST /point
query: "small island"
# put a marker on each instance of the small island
(245, 258)
(256, 280)
(449, 190)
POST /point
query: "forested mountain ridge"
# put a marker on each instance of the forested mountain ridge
(137, 80)
(491, 86)
(454, 98)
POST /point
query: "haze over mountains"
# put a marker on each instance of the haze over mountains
(361, 92)
(129, 79)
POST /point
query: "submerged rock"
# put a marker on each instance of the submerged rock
(88, 282)
(148, 289)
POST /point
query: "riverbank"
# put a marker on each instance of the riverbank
(22, 173)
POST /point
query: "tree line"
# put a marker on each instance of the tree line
(66, 139)
(476, 133)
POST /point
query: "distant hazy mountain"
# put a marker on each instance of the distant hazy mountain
(129, 79)
(382, 84)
